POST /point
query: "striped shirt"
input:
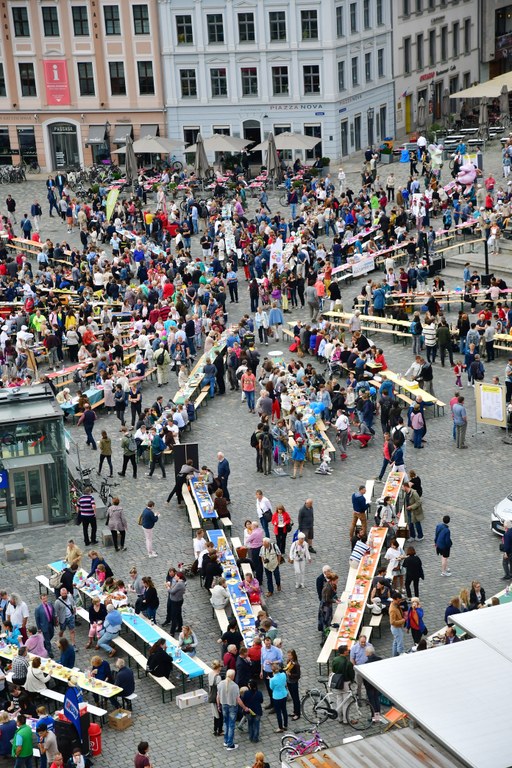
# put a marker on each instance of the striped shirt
(360, 550)
(86, 505)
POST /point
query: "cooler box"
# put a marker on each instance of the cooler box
(185, 700)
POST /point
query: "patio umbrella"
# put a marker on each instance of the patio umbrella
(220, 143)
(504, 103)
(483, 118)
(130, 161)
(421, 117)
(290, 141)
(445, 106)
(201, 164)
(273, 164)
(152, 145)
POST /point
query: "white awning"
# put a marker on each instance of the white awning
(22, 462)
(121, 131)
(97, 134)
(491, 89)
(458, 693)
(491, 625)
(149, 130)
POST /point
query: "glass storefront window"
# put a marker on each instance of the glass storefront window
(5, 147)
(27, 143)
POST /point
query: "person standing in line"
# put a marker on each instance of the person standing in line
(88, 418)
(157, 447)
(397, 622)
(443, 544)
(306, 523)
(228, 698)
(248, 384)
(414, 509)
(359, 507)
(460, 420)
(223, 473)
(299, 555)
(293, 674)
(87, 511)
(413, 571)
(117, 524)
(149, 519)
(279, 695)
(507, 551)
(129, 447)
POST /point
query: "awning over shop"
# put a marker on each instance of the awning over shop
(491, 89)
(22, 462)
(97, 134)
(149, 130)
(121, 131)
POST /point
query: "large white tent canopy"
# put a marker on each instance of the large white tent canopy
(458, 693)
(491, 89)
(493, 627)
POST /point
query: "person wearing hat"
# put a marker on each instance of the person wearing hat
(299, 555)
(298, 457)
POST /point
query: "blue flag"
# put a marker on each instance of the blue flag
(72, 710)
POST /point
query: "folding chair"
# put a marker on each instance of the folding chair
(395, 717)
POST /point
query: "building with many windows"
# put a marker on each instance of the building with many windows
(435, 49)
(496, 37)
(76, 78)
(248, 67)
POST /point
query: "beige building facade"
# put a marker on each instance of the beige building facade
(77, 77)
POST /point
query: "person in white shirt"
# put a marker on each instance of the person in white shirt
(299, 555)
(414, 370)
(220, 595)
(342, 425)
(199, 545)
(17, 611)
(263, 505)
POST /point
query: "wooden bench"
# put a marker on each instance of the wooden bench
(202, 398)
(44, 583)
(95, 405)
(59, 697)
(405, 398)
(375, 622)
(221, 616)
(288, 333)
(191, 509)
(226, 524)
(367, 632)
(83, 613)
(141, 661)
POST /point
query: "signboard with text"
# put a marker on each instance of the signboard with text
(56, 82)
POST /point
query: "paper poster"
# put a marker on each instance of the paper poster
(276, 255)
(56, 82)
(490, 404)
(363, 267)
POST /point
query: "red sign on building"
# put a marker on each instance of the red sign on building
(57, 83)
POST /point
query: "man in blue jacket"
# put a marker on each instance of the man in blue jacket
(44, 616)
(379, 302)
(443, 542)
(359, 505)
(507, 551)
(223, 472)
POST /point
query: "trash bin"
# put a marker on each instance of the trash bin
(95, 739)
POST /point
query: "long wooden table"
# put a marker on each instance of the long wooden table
(409, 386)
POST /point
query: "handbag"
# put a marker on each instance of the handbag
(107, 518)
(267, 515)
(212, 694)
(78, 518)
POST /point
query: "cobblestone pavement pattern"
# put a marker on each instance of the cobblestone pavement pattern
(464, 485)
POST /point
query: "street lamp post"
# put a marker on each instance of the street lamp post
(369, 118)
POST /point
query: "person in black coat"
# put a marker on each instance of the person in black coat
(66, 579)
(413, 571)
(124, 679)
(476, 596)
(149, 601)
(243, 668)
(211, 568)
(321, 580)
(159, 661)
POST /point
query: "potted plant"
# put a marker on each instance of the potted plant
(386, 155)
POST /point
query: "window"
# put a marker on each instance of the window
(309, 25)
(355, 70)
(188, 83)
(454, 84)
(316, 131)
(341, 75)
(277, 22)
(311, 77)
(442, 4)
(366, 14)
(50, 21)
(86, 79)
(467, 35)
(419, 6)
(246, 31)
(455, 38)
(353, 17)
(249, 81)
(380, 62)
(466, 80)
(117, 78)
(407, 55)
(27, 80)
(419, 51)
(406, 9)
(184, 31)
(140, 19)
(215, 27)
(431, 5)
(280, 83)
(444, 43)
(219, 82)
(432, 48)
(21, 25)
(80, 21)
(367, 67)
(112, 20)
(190, 136)
(380, 13)
(357, 132)
(146, 78)
(339, 21)
(3, 90)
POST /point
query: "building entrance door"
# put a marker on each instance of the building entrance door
(28, 497)
(64, 145)
(252, 132)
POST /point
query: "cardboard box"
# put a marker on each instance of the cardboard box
(185, 700)
(120, 719)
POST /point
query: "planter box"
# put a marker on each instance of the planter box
(386, 159)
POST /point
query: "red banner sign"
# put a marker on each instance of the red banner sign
(57, 83)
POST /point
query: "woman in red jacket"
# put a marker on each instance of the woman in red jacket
(281, 521)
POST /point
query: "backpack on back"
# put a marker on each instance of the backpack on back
(266, 441)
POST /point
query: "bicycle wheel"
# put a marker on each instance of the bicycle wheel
(359, 714)
(289, 740)
(283, 200)
(177, 166)
(288, 753)
(309, 708)
(209, 174)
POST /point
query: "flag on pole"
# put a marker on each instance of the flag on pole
(111, 201)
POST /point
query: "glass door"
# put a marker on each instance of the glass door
(28, 497)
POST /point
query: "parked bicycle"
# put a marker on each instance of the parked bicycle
(317, 707)
(106, 492)
(295, 746)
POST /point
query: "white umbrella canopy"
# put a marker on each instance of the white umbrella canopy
(421, 117)
(152, 145)
(273, 164)
(220, 143)
(289, 141)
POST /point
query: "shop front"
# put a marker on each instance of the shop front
(33, 467)
(64, 145)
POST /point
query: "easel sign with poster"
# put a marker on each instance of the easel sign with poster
(491, 407)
